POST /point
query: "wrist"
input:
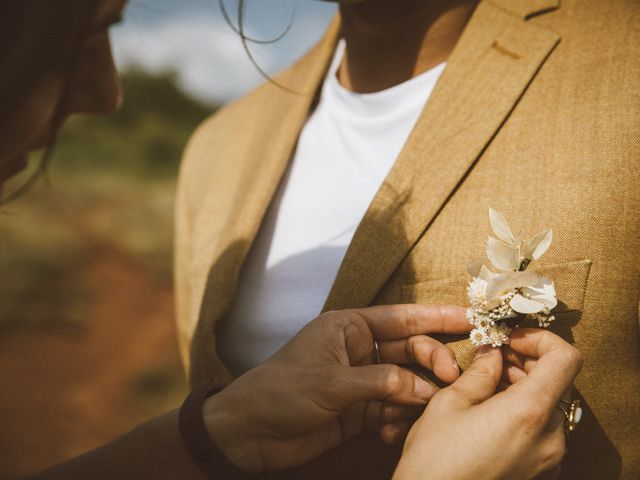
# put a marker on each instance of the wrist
(226, 422)
(414, 464)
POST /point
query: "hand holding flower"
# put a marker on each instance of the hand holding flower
(324, 386)
(469, 431)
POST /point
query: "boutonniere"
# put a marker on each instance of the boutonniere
(503, 287)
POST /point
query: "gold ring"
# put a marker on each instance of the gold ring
(572, 413)
(376, 348)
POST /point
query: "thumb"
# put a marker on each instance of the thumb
(480, 380)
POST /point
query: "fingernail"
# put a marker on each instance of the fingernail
(422, 389)
(456, 367)
(484, 350)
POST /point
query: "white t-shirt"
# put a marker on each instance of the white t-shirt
(344, 152)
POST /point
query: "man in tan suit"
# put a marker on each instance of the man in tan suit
(537, 114)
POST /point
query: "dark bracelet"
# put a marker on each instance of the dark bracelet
(202, 450)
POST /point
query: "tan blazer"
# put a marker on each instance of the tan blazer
(537, 114)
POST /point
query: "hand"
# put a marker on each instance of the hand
(467, 432)
(323, 387)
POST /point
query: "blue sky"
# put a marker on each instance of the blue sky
(192, 38)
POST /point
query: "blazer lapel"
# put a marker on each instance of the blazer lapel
(241, 195)
(489, 70)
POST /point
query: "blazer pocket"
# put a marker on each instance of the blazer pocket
(570, 280)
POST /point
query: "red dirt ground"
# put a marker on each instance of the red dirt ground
(66, 391)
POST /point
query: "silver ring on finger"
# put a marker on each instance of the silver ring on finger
(376, 349)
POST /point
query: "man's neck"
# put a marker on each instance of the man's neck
(391, 41)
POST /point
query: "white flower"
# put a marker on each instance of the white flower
(501, 270)
(502, 286)
(544, 320)
(470, 315)
(539, 297)
(484, 322)
(507, 253)
(479, 337)
(476, 291)
(505, 283)
(479, 318)
(499, 335)
(532, 249)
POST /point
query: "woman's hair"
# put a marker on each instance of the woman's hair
(246, 39)
(41, 31)
(12, 19)
(51, 39)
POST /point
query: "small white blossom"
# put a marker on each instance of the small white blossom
(470, 315)
(544, 319)
(476, 290)
(499, 335)
(479, 337)
(484, 323)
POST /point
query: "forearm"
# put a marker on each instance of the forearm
(152, 450)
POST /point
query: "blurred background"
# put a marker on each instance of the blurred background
(87, 339)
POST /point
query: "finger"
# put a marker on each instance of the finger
(553, 448)
(480, 380)
(388, 382)
(424, 351)
(512, 374)
(555, 438)
(378, 414)
(521, 361)
(393, 413)
(502, 386)
(557, 365)
(392, 322)
(513, 357)
(395, 432)
(529, 364)
(372, 416)
(352, 422)
(558, 419)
